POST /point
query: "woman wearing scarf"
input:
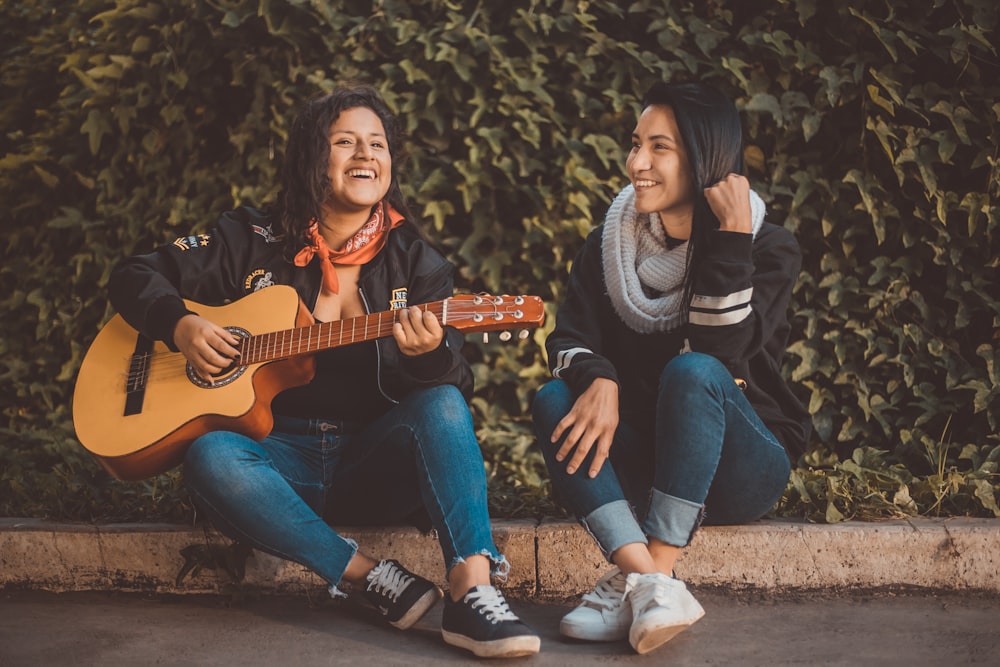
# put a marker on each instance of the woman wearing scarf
(382, 434)
(668, 408)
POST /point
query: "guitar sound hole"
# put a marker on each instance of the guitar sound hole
(225, 371)
(227, 375)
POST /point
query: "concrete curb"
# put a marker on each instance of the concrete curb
(551, 560)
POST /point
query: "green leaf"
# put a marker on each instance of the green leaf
(95, 127)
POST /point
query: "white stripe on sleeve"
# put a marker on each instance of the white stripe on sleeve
(722, 302)
(565, 357)
(719, 319)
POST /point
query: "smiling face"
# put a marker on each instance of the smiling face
(360, 168)
(659, 170)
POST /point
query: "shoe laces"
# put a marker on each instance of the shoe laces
(388, 579)
(490, 603)
(650, 590)
(608, 594)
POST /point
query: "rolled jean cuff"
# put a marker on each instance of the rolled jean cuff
(613, 526)
(333, 589)
(672, 520)
(350, 547)
(499, 565)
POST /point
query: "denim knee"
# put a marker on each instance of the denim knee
(693, 369)
(440, 402)
(553, 390)
(208, 457)
(551, 403)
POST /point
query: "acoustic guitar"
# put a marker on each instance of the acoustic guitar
(137, 405)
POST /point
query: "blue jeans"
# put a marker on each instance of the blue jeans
(281, 494)
(704, 455)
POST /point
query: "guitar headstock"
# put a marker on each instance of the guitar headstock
(485, 312)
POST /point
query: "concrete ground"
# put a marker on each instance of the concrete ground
(111, 629)
(910, 592)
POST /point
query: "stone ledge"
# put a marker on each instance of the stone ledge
(551, 560)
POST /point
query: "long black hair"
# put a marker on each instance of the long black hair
(710, 128)
(305, 184)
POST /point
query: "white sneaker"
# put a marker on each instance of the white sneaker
(661, 607)
(604, 615)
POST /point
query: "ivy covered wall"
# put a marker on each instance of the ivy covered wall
(872, 131)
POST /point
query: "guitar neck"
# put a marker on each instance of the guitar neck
(326, 335)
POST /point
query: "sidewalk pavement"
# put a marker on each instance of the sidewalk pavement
(552, 561)
(104, 629)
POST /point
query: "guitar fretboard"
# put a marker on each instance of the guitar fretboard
(325, 335)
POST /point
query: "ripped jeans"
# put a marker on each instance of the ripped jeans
(704, 455)
(281, 494)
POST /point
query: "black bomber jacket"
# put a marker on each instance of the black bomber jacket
(241, 255)
(591, 341)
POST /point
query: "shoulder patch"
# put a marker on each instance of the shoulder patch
(266, 232)
(257, 280)
(190, 242)
(398, 299)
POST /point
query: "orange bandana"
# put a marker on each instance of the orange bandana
(360, 248)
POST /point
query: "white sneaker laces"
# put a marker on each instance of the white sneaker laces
(389, 579)
(648, 591)
(608, 594)
(491, 604)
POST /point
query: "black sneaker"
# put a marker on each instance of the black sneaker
(401, 596)
(482, 622)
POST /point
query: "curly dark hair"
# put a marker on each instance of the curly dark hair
(305, 184)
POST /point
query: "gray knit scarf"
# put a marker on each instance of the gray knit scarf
(644, 277)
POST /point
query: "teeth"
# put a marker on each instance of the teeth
(645, 184)
(361, 173)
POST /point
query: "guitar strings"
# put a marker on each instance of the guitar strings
(309, 339)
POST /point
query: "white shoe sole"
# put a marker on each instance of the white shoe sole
(509, 647)
(419, 608)
(648, 639)
(593, 633)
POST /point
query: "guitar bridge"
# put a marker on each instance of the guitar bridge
(138, 375)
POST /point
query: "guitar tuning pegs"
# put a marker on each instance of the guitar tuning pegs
(505, 336)
(523, 334)
(486, 337)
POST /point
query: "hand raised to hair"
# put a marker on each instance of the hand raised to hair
(729, 199)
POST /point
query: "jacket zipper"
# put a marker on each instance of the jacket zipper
(378, 353)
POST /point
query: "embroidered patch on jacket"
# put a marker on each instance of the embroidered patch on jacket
(258, 280)
(189, 242)
(398, 299)
(266, 233)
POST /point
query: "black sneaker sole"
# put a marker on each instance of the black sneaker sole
(419, 608)
(508, 647)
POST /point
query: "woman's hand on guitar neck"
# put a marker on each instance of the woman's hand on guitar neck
(208, 347)
(417, 331)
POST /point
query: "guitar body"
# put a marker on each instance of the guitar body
(175, 409)
(137, 405)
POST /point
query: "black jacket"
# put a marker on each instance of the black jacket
(241, 255)
(591, 341)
